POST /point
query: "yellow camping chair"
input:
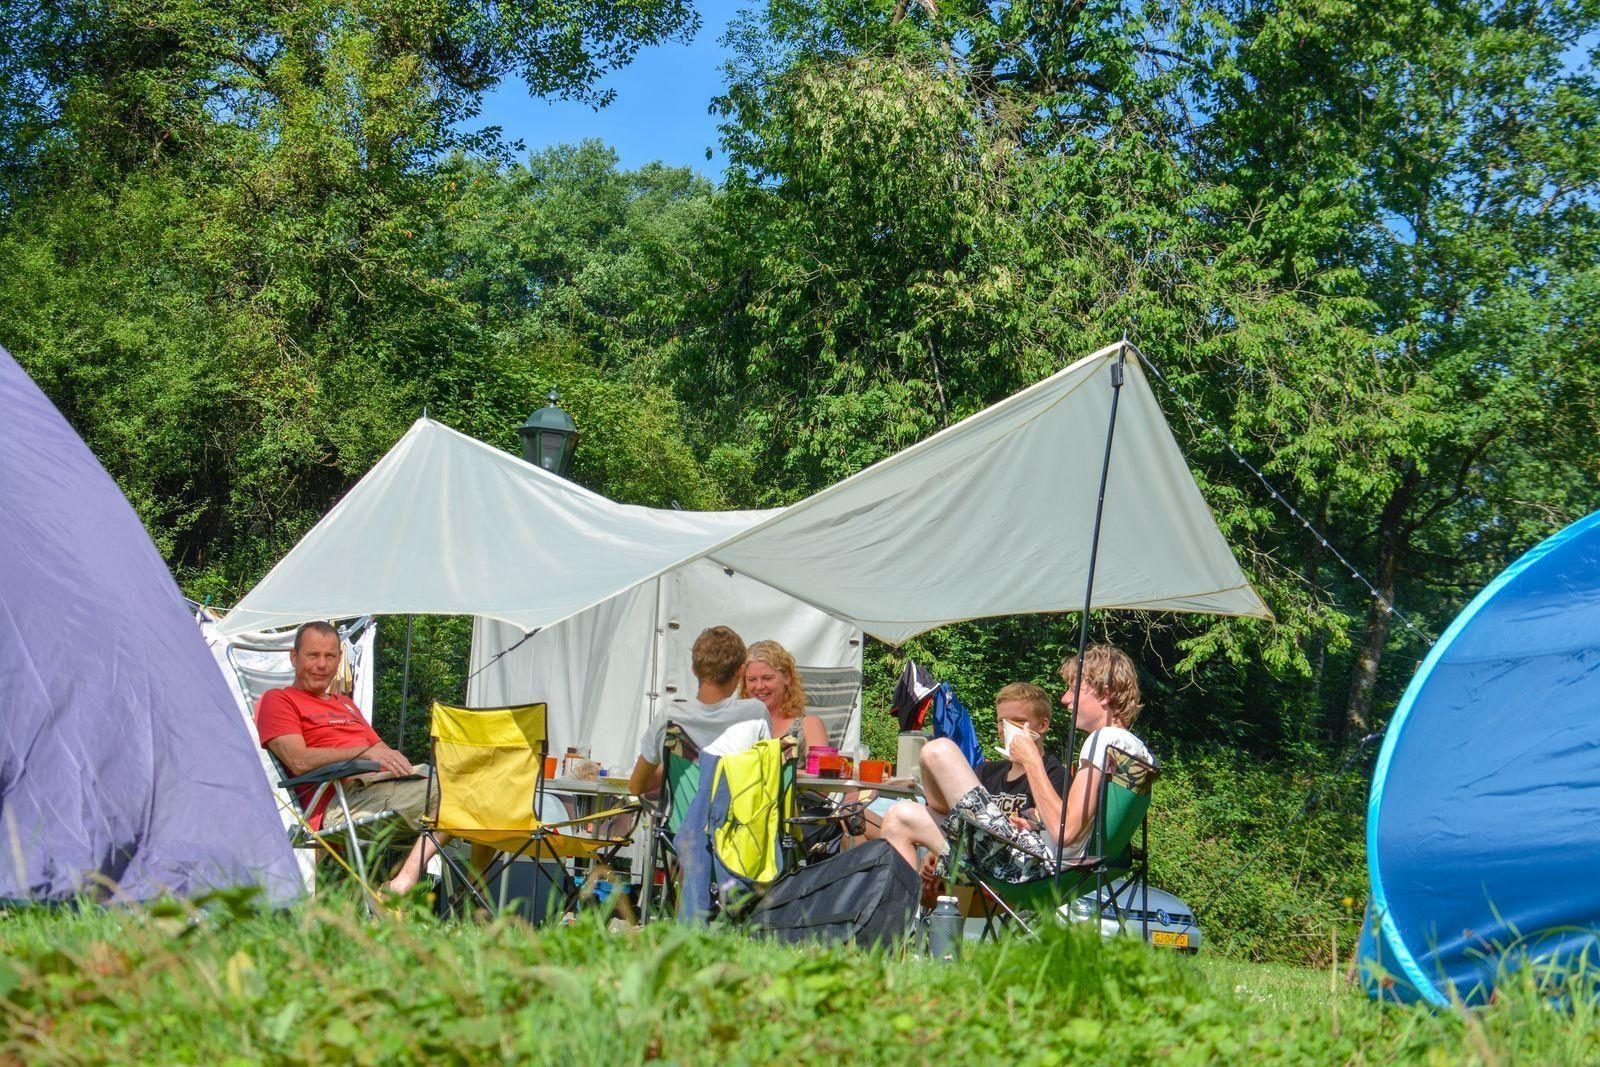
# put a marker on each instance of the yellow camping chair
(486, 786)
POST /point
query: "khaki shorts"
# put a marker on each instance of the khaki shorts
(406, 797)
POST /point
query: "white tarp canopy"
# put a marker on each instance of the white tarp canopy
(992, 516)
(605, 671)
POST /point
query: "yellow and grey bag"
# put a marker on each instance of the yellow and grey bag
(752, 802)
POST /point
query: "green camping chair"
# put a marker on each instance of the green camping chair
(1110, 855)
(680, 781)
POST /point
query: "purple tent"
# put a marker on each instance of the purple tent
(124, 769)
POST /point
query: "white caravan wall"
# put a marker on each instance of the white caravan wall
(595, 670)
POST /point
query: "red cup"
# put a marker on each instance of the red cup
(830, 766)
(549, 767)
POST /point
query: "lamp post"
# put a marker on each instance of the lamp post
(550, 437)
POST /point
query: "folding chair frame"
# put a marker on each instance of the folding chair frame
(661, 847)
(996, 912)
(1000, 901)
(735, 907)
(841, 812)
(834, 696)
(331, 776)
(540, 840)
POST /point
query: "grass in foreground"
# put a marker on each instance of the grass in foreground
(312, 985)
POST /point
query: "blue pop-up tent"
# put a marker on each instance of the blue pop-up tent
(125, 771)
(1483, 826)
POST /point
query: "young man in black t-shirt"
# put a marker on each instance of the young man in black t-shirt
(1027, 707)
(1019, 705)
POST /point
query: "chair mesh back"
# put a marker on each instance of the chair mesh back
(1124, 802)
(294, 794)
(831, 695)
(680, 764)
(259, 669)
(487, 763)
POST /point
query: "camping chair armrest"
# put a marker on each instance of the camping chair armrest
(328, 772)
(629, 808)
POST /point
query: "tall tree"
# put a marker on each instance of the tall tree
(1438, 164)
(221, 233)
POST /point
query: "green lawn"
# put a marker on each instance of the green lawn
(317, 985)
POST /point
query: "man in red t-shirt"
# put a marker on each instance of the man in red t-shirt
(307, 727)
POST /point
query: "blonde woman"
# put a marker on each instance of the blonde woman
(771, 677)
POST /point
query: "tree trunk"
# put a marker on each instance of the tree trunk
(1391, 544)
(1318, 719)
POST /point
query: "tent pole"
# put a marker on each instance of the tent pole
(657, 633)
(1088, 593)
(405, 688)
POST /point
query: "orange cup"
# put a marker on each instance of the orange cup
(830, 766)
(549, 767)
(874, 770)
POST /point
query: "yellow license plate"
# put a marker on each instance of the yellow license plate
(1171, 940)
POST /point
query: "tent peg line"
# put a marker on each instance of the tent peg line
(1189, 409)
(505, 652)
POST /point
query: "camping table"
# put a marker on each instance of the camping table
(584, 796)
(589, 787)
(887, 792)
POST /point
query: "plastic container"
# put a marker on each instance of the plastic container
(908, 753)
(814, 756)
(945, 925)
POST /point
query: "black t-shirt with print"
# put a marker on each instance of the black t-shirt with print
(1016, 797)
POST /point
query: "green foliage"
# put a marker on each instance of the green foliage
(279, 304)
(310, 986)
(1428, 176)
(1228, 835)
(439, 669)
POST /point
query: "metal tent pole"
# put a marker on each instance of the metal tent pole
(405, 688)
(1088, 594)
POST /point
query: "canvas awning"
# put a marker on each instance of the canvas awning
(992, 516)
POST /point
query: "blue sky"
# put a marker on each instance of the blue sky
(660, 112)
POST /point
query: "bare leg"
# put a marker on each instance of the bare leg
(946, 776)
(409, 873)
(908, 826)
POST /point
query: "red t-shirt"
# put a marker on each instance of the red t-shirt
(323, 721)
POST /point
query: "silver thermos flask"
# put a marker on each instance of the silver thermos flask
(944, 930)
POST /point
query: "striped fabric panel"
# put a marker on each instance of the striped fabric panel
(831, 694)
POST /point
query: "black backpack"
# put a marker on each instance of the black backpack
(867, 895)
